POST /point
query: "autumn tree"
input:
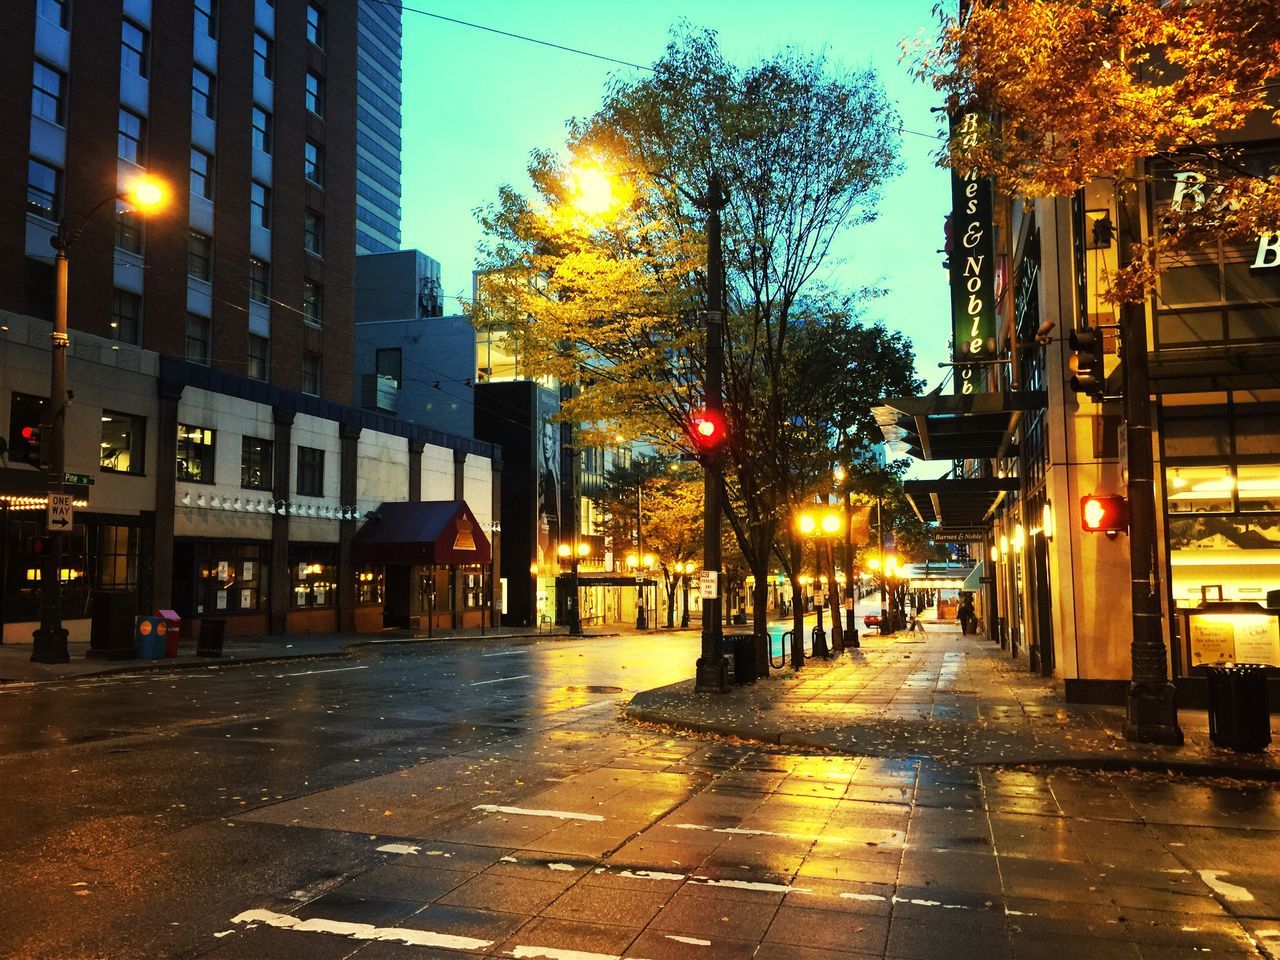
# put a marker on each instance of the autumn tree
(1081, 91)
(606, 294)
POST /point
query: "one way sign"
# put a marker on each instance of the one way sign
(62, 513)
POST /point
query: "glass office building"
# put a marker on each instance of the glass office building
(378, 100)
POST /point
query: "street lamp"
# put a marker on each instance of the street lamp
(685, 571)
(146, 195)
(576, 553)
(820, 525)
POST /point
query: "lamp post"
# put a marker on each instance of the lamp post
(851, 619)
(49, 641)
(686, 571)
(575, 553)
(821, 526)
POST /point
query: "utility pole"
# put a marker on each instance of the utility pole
(1152, 710)
(712, 675)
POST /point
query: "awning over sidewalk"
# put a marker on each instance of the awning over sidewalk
(945, 426)
(1211, 369)
(443, 532)
(961, 507)
(973, 582)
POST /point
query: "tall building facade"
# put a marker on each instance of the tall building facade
(248, 112)
(378, 100)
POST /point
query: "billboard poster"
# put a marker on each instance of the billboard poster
(547, 465)
(973, 270)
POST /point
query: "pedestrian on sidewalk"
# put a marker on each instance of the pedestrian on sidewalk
(965, 612)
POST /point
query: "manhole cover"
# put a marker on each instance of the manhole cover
(594, 689)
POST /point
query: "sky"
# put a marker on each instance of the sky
(476, 104)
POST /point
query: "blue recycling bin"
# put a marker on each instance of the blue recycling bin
(149, 635)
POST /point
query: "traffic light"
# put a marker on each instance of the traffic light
(1086, 362)
(28, 446)
(1104, 514)
(707, 427)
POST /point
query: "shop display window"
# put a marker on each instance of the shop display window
(233, 578)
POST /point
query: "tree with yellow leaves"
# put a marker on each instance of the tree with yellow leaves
(1079, 91)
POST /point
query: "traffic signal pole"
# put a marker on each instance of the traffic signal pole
(712, 675)
(1152, 710)
(49, 641)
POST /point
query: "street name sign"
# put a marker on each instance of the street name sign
(81, 479)
(62, 512)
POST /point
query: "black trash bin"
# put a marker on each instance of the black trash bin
(741, 646)
(212, 632)
(1239, 716)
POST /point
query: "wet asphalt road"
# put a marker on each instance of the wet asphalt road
(478, 799)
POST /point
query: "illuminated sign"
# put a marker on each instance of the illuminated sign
(1189, 192)
(1234, 636)
(973, 271)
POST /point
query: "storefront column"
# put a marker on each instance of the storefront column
(414, 495)
(166, 471)
(459, 462)
(495, 546)
(280, 583)
(348, 456)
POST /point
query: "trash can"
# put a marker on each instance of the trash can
(742, 648)
(212, 631)
(1239, 716)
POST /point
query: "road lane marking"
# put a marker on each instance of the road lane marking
(743, 832)
(307, 673)
(524, 812)
(650, 875)
(361, 931)
(502, 653)
(692, 941)
(1228, 891)
(749, 885)
(481, 683)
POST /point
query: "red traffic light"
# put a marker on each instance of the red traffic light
(1104, 514)
(708, 429)
(28, 446)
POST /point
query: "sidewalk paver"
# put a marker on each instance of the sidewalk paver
(944, 696)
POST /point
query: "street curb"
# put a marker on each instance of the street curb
(348, 651)
(1100, 764)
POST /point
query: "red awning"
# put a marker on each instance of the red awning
(443, 532)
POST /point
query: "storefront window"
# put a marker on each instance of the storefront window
(434, 591)
(233, 577)
(117, 566)
(369, 585)
(473, 587)
(314, 570)
(23, 572)
(1193, 489)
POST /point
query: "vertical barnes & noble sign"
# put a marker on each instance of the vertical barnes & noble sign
(973, 270)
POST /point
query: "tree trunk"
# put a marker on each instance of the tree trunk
(837, 628)
(671, 604)
(760, 619)
(797, 607)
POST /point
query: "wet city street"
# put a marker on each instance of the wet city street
(479, 798)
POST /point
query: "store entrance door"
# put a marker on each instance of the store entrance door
(185, 580)
(395, 608)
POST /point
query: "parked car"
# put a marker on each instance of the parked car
(871, 620)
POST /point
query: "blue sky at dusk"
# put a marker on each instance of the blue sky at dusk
(476, 104)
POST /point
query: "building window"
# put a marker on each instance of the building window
(202, 92)
(123, 442)
(262, 56)
(129, 142)
(259, 205)
(117, 566)
(233, 577)
(255, 463)
(201, 174)
(197, 338)
(55, 11)
(259, 280)
(368, 584)
(261, 129)
(315, 25)
(315, 93)
(310, 472)
(314, 570)
(206, 18)
(47, 86)
(312, 303)
(128, 231)
(133, 48)
(25, 410)
(311, 373)
(126, 316)
(44, 190)
(313, 233)
(388, 363)
(195, 454)
(259, 357)
(313, 163)
(199, 256)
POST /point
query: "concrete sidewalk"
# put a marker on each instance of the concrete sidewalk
(16, 665)
(943, 696)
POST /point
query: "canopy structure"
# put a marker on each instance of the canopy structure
(947, 426)
(1209, 369)
(443, 532)
(961, 507)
